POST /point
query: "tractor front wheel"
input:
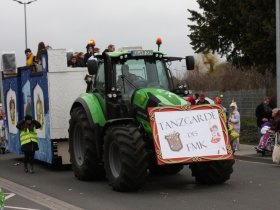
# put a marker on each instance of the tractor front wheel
(125, 158)
(82, 147)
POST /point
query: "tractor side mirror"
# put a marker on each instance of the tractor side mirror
(190, 62)
(92, 65)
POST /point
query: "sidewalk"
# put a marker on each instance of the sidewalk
(248, 152)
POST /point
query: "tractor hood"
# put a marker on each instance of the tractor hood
(152, 97)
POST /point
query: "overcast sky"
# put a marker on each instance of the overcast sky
(70, 24)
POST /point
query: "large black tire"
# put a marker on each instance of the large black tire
(82, 147)
(125, 158)
(213, 172)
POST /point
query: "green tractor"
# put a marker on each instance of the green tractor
(110, 134)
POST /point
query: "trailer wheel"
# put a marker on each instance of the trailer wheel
(125, 158)
(213, 172)
(82, 147)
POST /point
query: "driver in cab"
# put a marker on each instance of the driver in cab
(126, 79)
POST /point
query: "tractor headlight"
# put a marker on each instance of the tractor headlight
(110, 95)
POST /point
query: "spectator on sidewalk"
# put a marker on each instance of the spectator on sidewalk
(218, 101)
(275, 120)
(234, 121)
(267, 129)
(3, 137)
(263, 112)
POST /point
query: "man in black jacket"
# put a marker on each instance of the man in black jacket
(111, 48)
(264, 112)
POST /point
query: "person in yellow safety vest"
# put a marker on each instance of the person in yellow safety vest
(28, 140)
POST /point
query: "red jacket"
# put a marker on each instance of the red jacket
(191, 100)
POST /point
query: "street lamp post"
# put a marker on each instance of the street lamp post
(25, 22)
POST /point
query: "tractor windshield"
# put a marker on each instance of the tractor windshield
(141, 73)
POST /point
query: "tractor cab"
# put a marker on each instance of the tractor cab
(125, 73)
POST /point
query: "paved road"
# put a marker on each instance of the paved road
(15, 201)
(252, 186)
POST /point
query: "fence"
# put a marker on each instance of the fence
(247, 100)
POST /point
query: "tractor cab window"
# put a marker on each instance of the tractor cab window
(157, 77)
(100, 79)
(131, 75)
(161, 72)
(140, 73)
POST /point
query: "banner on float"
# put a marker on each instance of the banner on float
(189, 134)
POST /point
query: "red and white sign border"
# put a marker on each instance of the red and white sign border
(161, 161)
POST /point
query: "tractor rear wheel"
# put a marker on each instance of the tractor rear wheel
(125, 158)
(82, 147)
(213, 172)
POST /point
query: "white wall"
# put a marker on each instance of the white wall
(65, 84)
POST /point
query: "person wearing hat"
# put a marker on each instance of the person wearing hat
(202, 99)
(28, 140)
